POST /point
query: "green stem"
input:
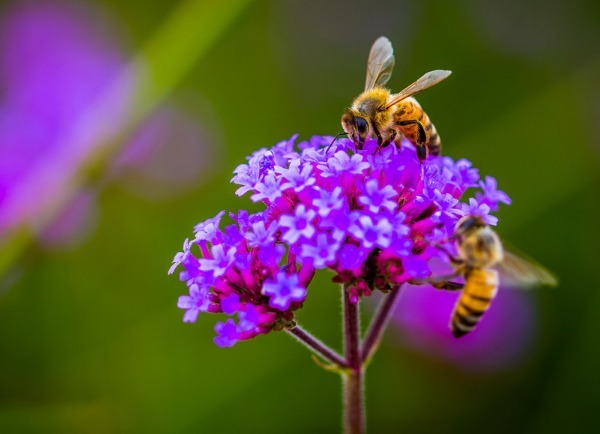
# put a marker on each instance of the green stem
(379, 324)
(354, 407)
(316, 346)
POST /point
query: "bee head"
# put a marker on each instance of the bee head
(356, 127)
(468, 224)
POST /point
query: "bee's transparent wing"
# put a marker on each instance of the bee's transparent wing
(516, 271)
(426, 81)
(380, 63)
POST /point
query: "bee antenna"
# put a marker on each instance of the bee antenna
(337, 136)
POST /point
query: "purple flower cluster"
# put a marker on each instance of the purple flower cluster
(373, 216)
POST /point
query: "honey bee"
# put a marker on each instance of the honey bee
(378, 112)
(479, 249)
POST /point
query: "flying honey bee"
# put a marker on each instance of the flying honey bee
(378, 112)
(480, 249)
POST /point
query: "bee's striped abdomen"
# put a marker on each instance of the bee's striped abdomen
(480, 289)
(409, 109)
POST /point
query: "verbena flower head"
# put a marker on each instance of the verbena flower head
(373, 217)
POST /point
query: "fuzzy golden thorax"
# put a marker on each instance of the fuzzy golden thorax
(371, 105)
(368, 116)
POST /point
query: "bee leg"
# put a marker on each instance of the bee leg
(421, 137)
(439, 282)
(398, 139)
(453, 259)
(448, 285)
(421, 153)
(379, 138)
(389, 139)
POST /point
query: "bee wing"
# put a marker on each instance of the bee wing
(426, 81)
(380, 63)
(519, 272)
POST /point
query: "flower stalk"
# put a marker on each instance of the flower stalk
(353, 381)
(316, 346)
(379, 324)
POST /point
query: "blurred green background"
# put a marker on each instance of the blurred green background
(91, 339)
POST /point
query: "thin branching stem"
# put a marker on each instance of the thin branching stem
(316, 346)
(379, 324)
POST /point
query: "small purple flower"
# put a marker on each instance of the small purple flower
(222, 258)
(230, 304)
(250, 174)
(284, 151)
(269, 189)
(297, 177)
(328, 201)
(416, 267)
(460, 172)
(351, 258)
(208, 228)
(250, 317)
(180, 256)
(284, 290)
(271, 254)
(315, 143)
(322, 252)
(401, 243)
(227, 334)
(372, 233)
(447, 203)
(341, 162)
(491, 195)
(339, 222)
(261, 235)
(481, 210)
(375, 198)
(299, 224)
(195, 303)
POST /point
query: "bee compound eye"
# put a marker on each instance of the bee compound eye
(361, 125)
(466, 223)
